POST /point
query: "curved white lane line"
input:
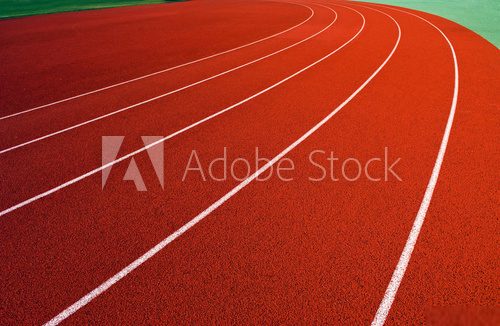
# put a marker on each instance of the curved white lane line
(399, 272)
(3, 151)
(153, 251)
(99, 169)
(167, 69)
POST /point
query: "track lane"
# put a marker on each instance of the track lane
(114, 221)
(404, 260)
(198, 318)
(190, 108)
(109, 46)
(121, 83)
(18, 134)
(213, 238)
(452, 275)
(240, 213)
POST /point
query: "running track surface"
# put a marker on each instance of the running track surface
(284, 252)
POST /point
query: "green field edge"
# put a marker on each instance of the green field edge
(19, 13)
(480, 16)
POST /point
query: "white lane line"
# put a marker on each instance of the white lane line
(404, 259)
(124, 272)
(167, 69)
(3, 151)
(96, 170)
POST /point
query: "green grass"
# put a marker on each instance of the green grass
(16, 8)
(481, 16)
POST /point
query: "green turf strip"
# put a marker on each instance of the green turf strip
(16, 8)
(481, 16)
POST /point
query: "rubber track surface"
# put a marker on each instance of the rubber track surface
(276, 252)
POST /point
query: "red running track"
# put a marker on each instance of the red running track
(273, 251)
